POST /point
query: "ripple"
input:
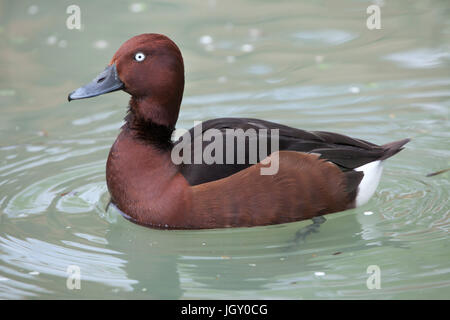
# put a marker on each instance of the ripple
(422, 203)
(325, 37)
(420, 58)
(37, 197)
(98, 266)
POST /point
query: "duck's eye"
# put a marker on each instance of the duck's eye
(139, 57)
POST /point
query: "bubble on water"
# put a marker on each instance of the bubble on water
(33, 9)
(319, 273)
(101, 44)
(368, 213)
(206, 39)
(247, 47)
(354, 90)
(34, 273)
(137, 7)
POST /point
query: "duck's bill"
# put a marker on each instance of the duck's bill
(107, 81)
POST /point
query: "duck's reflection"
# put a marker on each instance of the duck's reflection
(226, 263)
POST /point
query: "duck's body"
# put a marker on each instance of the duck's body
(318, 172)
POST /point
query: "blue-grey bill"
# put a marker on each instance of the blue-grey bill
(107, 81)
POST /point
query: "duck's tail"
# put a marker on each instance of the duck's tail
(393, 148)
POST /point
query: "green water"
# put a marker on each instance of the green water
(309, 64)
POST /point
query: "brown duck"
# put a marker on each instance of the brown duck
(318, 172)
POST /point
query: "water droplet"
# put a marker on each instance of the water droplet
(137, 7)
(247, 47)
(368, 213)
(206, 39)
(354, 89)
(319, 273)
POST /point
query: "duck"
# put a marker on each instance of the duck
(317, 172)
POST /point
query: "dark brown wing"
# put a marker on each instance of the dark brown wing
(346, 152)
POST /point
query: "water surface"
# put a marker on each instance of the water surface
(308, 64)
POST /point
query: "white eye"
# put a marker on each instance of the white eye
(139, 56)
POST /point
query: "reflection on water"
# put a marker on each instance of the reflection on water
(312, 66)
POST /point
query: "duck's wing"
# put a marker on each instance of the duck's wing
(345, 152)
(304, 187)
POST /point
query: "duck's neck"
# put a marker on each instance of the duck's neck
(141, 177)
(147, 131)
(159, 110)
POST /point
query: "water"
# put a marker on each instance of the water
(310, 64)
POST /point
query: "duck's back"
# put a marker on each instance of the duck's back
(346, 152)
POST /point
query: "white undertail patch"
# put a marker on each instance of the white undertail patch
(372, 174)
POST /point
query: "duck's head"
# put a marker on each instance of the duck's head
(150, 68)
